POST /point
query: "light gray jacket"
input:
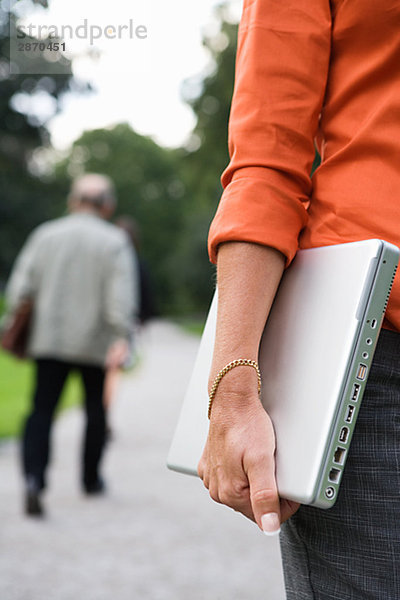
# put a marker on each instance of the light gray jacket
(81, 273)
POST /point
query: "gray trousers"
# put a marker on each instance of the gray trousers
(352, 551)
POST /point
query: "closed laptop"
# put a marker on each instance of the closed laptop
(315, 356)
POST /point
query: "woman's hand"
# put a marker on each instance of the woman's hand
(238, 462)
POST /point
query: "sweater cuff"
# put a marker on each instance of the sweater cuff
(258, 207)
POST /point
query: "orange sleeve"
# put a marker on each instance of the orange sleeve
(281, 72)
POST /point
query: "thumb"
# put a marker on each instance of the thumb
(264, 496)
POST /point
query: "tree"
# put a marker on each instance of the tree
(25, 199)
(202, 166)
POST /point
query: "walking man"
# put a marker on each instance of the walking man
(79, 271)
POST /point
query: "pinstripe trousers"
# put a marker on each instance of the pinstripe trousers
(352, 551)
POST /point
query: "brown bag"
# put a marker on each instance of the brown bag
(14, 338)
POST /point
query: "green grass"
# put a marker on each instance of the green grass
(15, 389)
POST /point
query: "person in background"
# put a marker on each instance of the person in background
(145, 311)
(80, 272)
(147, 308)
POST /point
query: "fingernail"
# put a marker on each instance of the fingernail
(270, 524)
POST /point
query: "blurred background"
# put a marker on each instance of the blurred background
(157, 125)
(160, 133)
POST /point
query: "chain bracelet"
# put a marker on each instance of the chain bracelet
(240, 362)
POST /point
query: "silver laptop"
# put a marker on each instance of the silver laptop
(315, 356)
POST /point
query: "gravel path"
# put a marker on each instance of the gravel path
(156, 535)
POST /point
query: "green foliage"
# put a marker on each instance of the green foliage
(212, 107)
(25, 200)
(316, 163)
(202, 168)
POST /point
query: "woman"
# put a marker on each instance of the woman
(326, 70)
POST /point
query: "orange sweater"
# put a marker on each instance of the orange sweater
(314, 70)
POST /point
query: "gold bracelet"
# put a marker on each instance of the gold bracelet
(240, 362)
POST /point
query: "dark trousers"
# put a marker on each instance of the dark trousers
(352, 551)
(50, 379)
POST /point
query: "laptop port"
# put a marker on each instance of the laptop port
(374, 323)
(343, 435)
(339, 455)
(362, 372)
(349, 414)
(330, 492)
(334, 475)
(355, 392)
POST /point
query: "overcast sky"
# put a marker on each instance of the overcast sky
(136, 80)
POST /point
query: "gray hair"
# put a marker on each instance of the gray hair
(95, 189)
